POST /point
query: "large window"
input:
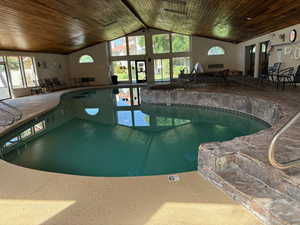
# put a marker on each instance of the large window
(180, 43)
(118, 47)
(86, 59)
(15, 71)
(216, 50)
(120, 68)
(167, 54)
(162, 69)
(161, 43)
(136, 45)
(180, 63)
(29, 71)
(176, 48)
(4, 85)
(125, 52)
(21, 70)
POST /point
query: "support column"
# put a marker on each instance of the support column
(256, 65)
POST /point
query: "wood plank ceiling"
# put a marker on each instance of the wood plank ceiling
(63, 26)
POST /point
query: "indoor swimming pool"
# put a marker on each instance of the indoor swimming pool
(109, 132)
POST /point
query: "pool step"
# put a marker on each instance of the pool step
(265, 191)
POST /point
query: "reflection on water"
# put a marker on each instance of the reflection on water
(109, 133)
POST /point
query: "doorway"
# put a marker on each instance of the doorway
(4, 83)
(250, 60)
(138, 71)
(263, 58)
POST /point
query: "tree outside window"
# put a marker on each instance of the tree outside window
(161, 43)
(180, 43)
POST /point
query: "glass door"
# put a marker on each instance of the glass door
(133, 72)
(263, 58)
(141, 71)
(4, 84)
(250, 60)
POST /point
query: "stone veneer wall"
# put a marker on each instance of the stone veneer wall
(240, 166)
(264, 110)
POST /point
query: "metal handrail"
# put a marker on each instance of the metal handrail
(17, 113)
(9, 122)
(271, 151)
(13, 112)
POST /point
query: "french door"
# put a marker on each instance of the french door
(138, 71)
(250, 59)
(263, 58)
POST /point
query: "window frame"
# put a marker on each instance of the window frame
(22, 71)
(177, 57)
(171, 37)
(10, 73)
(34, 70)
(93, 60)
(127, 57)
(126, 43)
(149, 55)
(171, 55)
(127, 66)
(169, 40)
(216, 46)
(128, 49)
(170, 74)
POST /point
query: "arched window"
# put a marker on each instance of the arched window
(216, 50)
(92, 111)
(86, 59)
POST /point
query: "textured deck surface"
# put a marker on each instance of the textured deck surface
(240, 166)
(30, 197)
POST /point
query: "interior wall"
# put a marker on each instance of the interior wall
(199, 50)
(99, 69)
(47, 66)
(201, 46)
(282, 50)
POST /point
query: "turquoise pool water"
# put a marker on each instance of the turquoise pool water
(107, 132)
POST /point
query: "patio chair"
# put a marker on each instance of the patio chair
(294, 79)
(57, 83)
(266, 77)
(274, 72)
(43, 85)
(49, 84)
(285, 76)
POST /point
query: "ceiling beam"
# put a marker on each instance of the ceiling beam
(134, 12)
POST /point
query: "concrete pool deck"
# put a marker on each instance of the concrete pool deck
(30, 197)
(240, 166)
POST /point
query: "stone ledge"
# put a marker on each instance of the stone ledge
(268, 111)
(222, 163)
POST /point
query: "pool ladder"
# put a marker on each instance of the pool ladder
(9, 114)
(272, 148)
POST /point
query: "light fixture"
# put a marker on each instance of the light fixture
(248, 18)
